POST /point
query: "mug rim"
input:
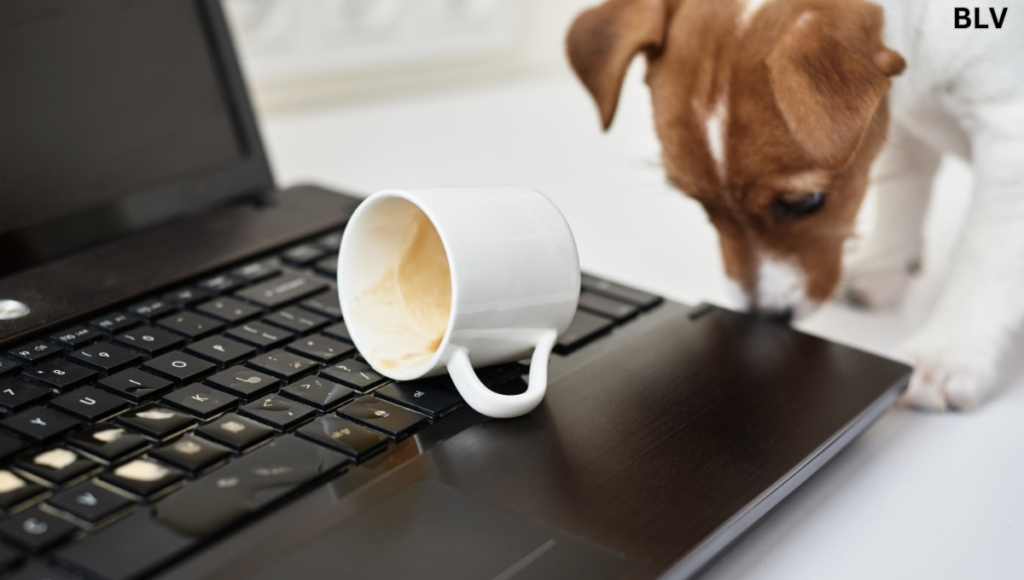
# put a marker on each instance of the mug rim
(433, 363)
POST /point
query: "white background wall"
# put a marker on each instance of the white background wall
(302, 53)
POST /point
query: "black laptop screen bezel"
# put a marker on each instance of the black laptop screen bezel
(249, 176)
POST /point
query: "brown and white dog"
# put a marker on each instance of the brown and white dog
(771, 113)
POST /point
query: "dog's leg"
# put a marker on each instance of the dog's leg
(878, 273)
(955, 355)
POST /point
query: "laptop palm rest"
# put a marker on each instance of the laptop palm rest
(663, 442)
(429, 530)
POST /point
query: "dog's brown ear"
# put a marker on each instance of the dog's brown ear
(603, 40)
(829, 78)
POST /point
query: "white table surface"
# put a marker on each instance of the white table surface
(918, 496)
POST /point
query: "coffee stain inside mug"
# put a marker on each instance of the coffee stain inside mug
(409, 306)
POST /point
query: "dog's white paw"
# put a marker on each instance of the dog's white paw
(943, 379)
(877, 283)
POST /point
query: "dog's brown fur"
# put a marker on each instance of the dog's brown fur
(803, 89)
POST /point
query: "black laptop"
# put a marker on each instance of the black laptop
(179, 397)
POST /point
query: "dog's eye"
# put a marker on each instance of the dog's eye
(789, 207)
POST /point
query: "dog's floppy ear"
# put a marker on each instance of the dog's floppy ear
(603, 40)
(829, 78)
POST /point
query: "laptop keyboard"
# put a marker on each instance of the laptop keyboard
(138, 436)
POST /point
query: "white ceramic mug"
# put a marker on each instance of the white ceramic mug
(459, 277)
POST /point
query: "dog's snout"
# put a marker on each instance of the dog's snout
(780, 316)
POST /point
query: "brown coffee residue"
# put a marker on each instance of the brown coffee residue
(408, 307)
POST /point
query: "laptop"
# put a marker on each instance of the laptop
(179, 397)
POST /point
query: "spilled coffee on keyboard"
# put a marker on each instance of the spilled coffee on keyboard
(408, 308)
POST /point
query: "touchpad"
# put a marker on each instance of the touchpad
(430, 530)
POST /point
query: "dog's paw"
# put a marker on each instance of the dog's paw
(876, 283)
(943, 381)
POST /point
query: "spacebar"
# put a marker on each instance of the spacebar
(127, 549)
(147, 539)
(247, 485)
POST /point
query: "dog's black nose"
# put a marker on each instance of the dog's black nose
(780, 316)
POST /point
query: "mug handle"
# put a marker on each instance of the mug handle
(486, 401)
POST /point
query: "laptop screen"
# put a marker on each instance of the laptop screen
(102, 102)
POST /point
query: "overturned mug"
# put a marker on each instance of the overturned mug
(459, 277)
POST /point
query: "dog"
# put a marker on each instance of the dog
(771, 114)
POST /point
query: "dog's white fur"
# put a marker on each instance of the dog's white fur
(715, 133)
(781, 285)
(962, 92)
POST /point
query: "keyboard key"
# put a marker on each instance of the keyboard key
(201, 401)
(353, 373)
(34, 352)
(90, 502)
(10, 557)
(185, 297)
(492, 377)
(243, 382)
(302, 255)
(57, 467)
(190, 325)
(230, 310)
(297, 320)
(321, 349)
(15, 492)
(284, 365)
(76, 337)
(338, 331)
(145, 479)
(396, 421)
(115, 323)
(330, 242)
(583, 328)
(614, 309)
(619, 292)
(423, 396)
(345, 436)
(59, 374)
(10, 446)
(16, 395)
(135, 385)
(325, 304)
(40, 569)
(236, 432)
(257, 271)
(127, 549)
(221, 350)
(261, 335)
(278, 412)
(40, 424)
(8, 366)
(220, 284)
(152, 309)
(36, 531)
(149, 341)
(282, 290)
(108, 443)
(105, 357)
(192, 454)
(327, 266)
(247, 485)
(90, 404)
(156, 421)
(318, 392)
(179, 367)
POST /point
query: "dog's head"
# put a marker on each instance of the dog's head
(769, 114)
